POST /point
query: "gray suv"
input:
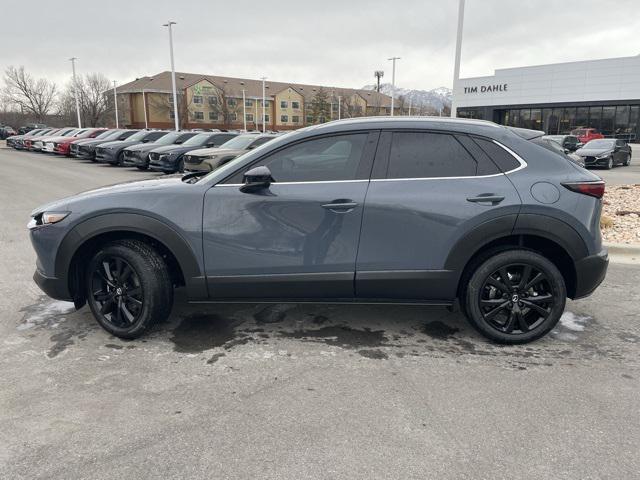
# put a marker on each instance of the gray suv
(388, 210)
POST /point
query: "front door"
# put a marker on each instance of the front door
(297, 238)
(428, 189)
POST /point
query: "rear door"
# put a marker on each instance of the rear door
(297, 238)
(428, 189)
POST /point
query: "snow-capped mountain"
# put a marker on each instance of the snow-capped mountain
(438, 98)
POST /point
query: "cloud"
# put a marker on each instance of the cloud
(332, 42)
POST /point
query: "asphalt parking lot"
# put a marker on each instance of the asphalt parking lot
(290, 391)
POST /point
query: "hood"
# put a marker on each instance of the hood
(205, 152)
(142, 147)
(593, 152)
(95, 141)
(169, 149)
(57, 139)
(119, 143)
(153, 184)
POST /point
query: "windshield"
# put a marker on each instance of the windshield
(197, 140)
(71, 133)
(106, 134)
(600, 144)
(138, 135)
(240, 142)
(556, 138)
(167, 139)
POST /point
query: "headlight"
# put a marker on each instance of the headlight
(211, 157)
(47, 218)
(603, 155)
(162, 156)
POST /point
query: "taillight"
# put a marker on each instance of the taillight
(593, 189)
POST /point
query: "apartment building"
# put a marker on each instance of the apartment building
(207, 101)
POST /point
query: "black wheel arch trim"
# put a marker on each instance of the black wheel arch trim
(136, 223)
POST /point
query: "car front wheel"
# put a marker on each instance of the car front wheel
(516, 296)
(128, 288)
(609, 164)
(627, 162)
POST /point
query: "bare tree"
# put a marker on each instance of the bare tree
(36, 96)
(93, 92)
(163, 104)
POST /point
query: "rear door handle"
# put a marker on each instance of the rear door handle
(486, 198)
(340, 207)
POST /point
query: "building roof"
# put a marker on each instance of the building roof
(253, 88)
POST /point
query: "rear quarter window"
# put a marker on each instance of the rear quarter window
(499, 155)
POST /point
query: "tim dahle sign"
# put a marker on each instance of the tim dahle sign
(501, 87)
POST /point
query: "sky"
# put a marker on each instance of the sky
(328, 42)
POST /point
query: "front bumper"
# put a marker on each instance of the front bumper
(167, 164)
(590, 272)
(48, 147)
(85, 153)
(53, 287)
(106, 156)
(135, 159)
(595, 162)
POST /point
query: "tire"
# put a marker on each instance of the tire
(627, 162)
(128, 288)
(180, 168)
(142, 167)
(516, 311)
(609, 164)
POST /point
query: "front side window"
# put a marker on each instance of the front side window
(428, 155)
(322, 159)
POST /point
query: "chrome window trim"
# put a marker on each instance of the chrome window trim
(295, 183)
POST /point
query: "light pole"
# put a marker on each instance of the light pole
(115, 101)
(339, 102)
(144, 107)
(173, 75)
(456, 65)
(75, 89)
(393, 82)
(264, 107)
(244, 111)
(410, 102)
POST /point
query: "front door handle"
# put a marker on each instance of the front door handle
(340, 207)
(486, 198)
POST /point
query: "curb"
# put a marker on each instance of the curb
(623, 248)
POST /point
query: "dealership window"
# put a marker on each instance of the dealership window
(582, 117)
(198, 115)
(295, 119)
(595, 117)
(214, 116)
(525, 118)
(608, 120)
(198, 99)
(536, 118)
(284, 104)
(622, 121)
(295, 105)
(249, 117)
(634, 118)
(428, 155)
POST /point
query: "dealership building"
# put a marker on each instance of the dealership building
(557, 98)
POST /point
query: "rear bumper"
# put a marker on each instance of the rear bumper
(53, 287)
(590, 272)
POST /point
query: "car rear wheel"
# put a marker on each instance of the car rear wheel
(515, 297)
(128, 288)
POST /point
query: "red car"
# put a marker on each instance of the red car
(63, 147)
(586, 134)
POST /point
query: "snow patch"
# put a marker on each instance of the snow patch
(48, 313)
(574, 322)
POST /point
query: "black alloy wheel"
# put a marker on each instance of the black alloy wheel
(609, 164)
(515, 296)
(128, 287)
(117, 291)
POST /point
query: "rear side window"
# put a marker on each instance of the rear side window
(154, 136)
(428, 155)
(499, 155)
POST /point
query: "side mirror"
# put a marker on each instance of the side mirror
(567, 151)
(256, 179)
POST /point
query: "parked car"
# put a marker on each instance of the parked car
(31, 126)
(207, 159)
(586, 134)
(170, 159)
(14, 140)
(113, 152)
(63, 147)
(361, 210)
(24, 142)
(138, 155)
(49, 145)
(568, 142)
(87, 148)
(606, 152)
(554, 146)
(38, 143)
(6, 131)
